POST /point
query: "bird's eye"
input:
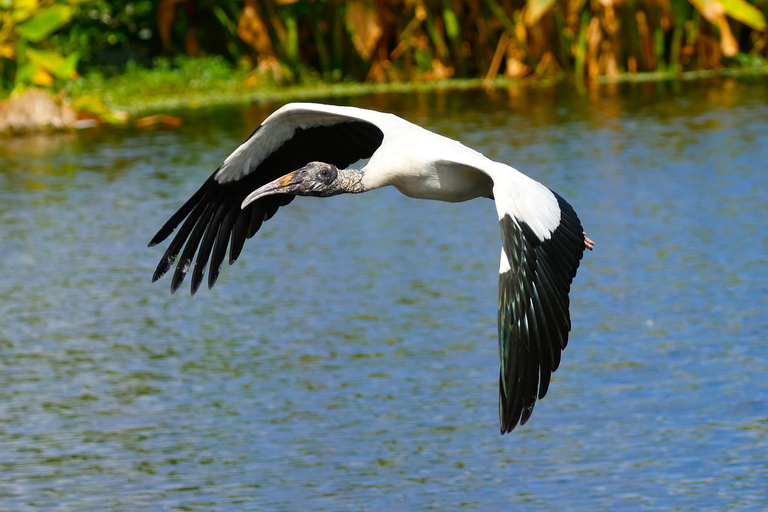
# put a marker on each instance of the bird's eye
(324, 173)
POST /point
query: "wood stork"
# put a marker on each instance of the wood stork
(304, 149)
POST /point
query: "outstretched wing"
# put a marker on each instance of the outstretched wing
(534, 280)
(287, 140)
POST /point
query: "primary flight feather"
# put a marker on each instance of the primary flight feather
(306, 149)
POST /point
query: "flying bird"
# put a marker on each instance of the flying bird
(305, 149)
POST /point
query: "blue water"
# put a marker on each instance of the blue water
(348, 360)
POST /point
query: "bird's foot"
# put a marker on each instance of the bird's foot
(588, 244)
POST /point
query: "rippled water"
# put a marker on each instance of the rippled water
(348, 360)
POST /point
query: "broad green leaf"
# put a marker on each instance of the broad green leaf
(24, 73)
(47, 59)
(535, 9)
(739, 10)
(23, 9)
(69, 68)
(744, 12)
(45, 22)
(53, 62)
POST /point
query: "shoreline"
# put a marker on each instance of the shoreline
(212, 98)
(162, 98)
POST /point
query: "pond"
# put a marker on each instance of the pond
(348, 360)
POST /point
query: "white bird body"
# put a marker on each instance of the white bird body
(305, 149)
(422, 172)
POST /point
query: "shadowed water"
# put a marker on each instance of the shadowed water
(349, 360)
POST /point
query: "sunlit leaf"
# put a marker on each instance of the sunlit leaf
(737, 9)
(41, 77)
(6, 50)
(45, 58)
(54, 63)
(69, 69)
(710, 9)
(728, 43)
(364, 25)
(744, 12)
(451, 24)
(45, 22)
(714, 12)
(535, 9)
(253, 31)
(23, 9)
(94, 108)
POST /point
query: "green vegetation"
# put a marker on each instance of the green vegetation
(183, 80)
(138, 54)
(207, 81)
(26, 56)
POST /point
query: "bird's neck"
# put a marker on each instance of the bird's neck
(351, 181)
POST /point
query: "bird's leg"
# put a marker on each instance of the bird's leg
(588, 244)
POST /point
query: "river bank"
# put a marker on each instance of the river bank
(143, 92)
(202, 83)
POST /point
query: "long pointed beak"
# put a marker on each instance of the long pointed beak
(282, 185)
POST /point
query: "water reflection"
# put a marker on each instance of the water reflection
(348, 361)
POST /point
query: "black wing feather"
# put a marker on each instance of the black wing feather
(178, 242)
(533, 310)
(189, 250)
(177, 217)
(206, 246)
(212, 218)
(240, 232)
(220, 246)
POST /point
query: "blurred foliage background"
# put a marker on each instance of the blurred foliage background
(51, 43)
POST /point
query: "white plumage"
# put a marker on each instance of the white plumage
(306, 149)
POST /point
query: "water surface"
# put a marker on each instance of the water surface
(348, 360)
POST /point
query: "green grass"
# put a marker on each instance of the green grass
(196, 82)
(183, 82)
(188, 82)
(662, 76)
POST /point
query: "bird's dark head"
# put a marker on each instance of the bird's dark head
(316, 179)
